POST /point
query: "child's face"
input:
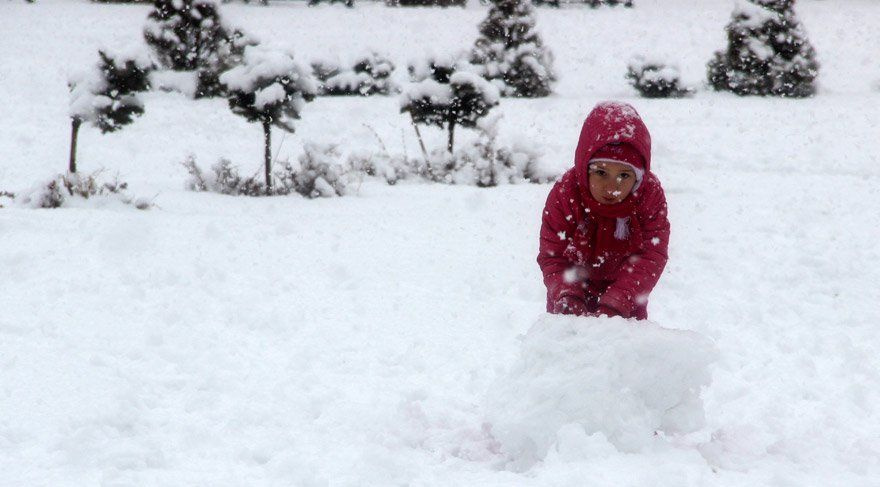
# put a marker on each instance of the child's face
(611, 182)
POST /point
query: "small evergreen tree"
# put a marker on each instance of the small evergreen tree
(767, 53)
(190, 35)
(271, 88)
(654, 79)
(445, 95)
(510, 52)
(107, 94)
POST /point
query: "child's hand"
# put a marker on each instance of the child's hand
(570, 305)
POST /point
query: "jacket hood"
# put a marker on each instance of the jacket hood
(610, 123)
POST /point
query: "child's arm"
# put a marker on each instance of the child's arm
(637, 277)
(558, 224)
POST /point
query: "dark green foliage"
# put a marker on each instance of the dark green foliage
(370, 75)
(190, 35)
(510, 52)
(610, 3)
(768, 53)
(123, 78)
(655, 80)
(446, 96)
(347, 3)
(426, 3)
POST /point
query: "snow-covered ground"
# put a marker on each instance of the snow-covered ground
(366, 340)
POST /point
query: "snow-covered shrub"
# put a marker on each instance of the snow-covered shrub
(426, 3)
(6, 197)
(510, 52)
(607, 379)
(106, 95)
(223, 178)
(767, 52)
(610, 3)
(370, 74)
(347, 3)
(391, 168)
(317, 173)
(445, 93)
(63, 189)
(270, 88)
(653, 79)
(482, 163)
(191, 35)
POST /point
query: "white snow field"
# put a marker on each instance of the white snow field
(398, 336)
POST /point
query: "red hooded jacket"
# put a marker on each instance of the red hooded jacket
(579, 254)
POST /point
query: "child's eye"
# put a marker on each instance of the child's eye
(600, 172)
(624, 175)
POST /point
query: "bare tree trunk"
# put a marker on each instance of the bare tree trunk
(74, 131)
(451, 135)
(267, 156)
(419, 135)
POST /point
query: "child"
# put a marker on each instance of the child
(604, 232)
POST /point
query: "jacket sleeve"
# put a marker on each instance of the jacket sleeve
(637, 277)
(558, 224)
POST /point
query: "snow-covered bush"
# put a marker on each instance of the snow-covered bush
(270, 88)
(483, 163)
(390, 168)
(223, 178)
(445, 93)
(191, 36)
(63, 189)
(653, 79)
(510, 52)
(106, 95)
(767, 52)
(370, 74)
(317, 173)
(598, 381)
(347, 3)
(426, 3)
(610, 3)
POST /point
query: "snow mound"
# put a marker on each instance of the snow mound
(622, 379)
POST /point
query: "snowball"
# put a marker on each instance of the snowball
(620, 378)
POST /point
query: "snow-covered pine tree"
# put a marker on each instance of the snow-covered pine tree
(107, 94)
(190, 35)
(445, 94)
(271, 88)
(511, 53)
(767, 53)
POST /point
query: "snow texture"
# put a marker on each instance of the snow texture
(624, 380)
(225, 341)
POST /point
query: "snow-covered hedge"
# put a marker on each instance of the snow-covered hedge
(369, 74)
(319, 172)
(74, 190)
(654, 79)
